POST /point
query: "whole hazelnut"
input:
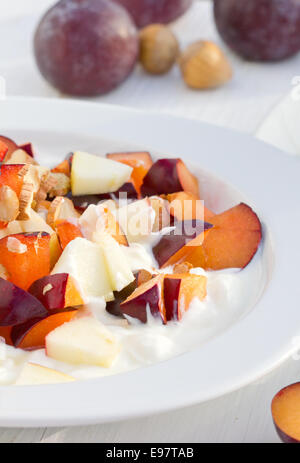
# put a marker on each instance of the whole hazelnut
(204, 65)
(159, 48)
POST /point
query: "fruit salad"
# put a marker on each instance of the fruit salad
(108, 263)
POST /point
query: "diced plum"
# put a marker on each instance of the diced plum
(86, 47)
(179, 291)
(185, 237)
(3, 150)
(141, 162)
(186, 206)
(286, 413)
(67, 231)
(147, 12)
(5, 333)
(26, 257)
(12, 175)
(11, 145)
(57, 291)
(168, 176)
(31, 335)
(28, 148)
(231, 243)
(62, 168)
(148, 296)
(17, 306)
(113, 307)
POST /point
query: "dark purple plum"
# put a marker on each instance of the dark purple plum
(17, 306)
(86, 47)
(146, 12)
(260, 30)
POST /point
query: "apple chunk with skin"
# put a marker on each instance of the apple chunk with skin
(17, 306)
(85, 262)
(83, 341)
(168, 176)
(94, 175)
(147, 298)
(32, 373)
(286, 413)
(56, 291)
(180, 290)
(173, 247)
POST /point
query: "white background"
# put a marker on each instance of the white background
(243, 416)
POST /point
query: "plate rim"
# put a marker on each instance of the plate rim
(54, 404)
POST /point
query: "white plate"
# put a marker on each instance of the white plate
(253, 345)
(281, 128)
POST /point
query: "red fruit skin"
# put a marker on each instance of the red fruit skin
(113, 307)
(11, 145)
(86, 47)
(146, 12)
(54, 299)
(171, 296)
(137, 307)
(284, 437)
(17, 306)
(184, 232)
(260, 30)
(28, 148)
(162, 178)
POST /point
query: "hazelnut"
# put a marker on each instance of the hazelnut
(159, 48)
(204, 65)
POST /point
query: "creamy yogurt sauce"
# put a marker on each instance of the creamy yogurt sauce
(230, 294)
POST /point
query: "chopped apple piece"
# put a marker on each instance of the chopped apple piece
(86, 263)
(19, 157)
(57, 291)
(83, 341)
(32, 334)
(179, 292)
(94, 175)
(162, 216)
(136, 219)
(139, 161)
(119, 270)
(145, 300)
(33, 373)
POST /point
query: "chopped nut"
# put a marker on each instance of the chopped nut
(46, 184)
(19, 157)
(9, 204)
(26, 198)
(14, 245)
(184, 267)
(61, 209)
(61, 186)
(143, 277)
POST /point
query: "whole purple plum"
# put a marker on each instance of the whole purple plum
(260, 30)
(86, 47)
(146, 12)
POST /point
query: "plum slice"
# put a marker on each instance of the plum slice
(168, 176)
(179, 292)
(57, 291)
(10, 144)
(113, 307)
(173, 247)
(12, 175)
(286, 413)
(17, 306)
(231, 243)
(26, 257)
(31, 334)
(148, 296)
(186, 206)
(66, 232)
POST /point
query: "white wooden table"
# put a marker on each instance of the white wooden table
(243, 416)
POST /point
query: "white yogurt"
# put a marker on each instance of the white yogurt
(230, 294)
